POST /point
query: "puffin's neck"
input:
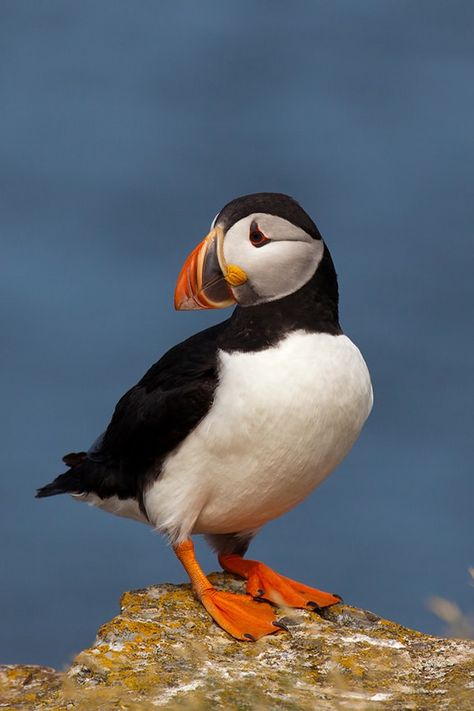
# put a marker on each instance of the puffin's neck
(313, 308)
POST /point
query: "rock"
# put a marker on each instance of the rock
(163, 650)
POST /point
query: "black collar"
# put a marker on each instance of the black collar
(313, 308)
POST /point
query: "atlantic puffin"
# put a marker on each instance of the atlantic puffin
(239, 423)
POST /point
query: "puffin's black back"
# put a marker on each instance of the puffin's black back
(149, 421)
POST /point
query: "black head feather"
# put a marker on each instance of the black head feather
(271, 203)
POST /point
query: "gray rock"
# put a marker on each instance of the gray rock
(163, 651)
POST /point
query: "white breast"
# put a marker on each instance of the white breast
(281, 420)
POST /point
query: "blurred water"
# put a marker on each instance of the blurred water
(124, 128)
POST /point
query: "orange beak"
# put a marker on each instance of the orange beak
(204, 281)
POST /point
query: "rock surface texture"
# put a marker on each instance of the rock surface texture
(163, 651)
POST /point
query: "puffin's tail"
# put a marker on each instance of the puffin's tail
(70, 481)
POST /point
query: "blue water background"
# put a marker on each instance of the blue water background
(124, 127)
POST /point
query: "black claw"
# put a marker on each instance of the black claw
(314, 606)
(338, 596)
(250, 637)
(281, 625)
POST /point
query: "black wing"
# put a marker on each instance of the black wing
(149, 421)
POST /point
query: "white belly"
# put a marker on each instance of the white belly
(281, 420)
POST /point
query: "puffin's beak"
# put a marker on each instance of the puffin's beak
(205, 280)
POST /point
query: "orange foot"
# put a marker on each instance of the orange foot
(265, 583)
(239, 615)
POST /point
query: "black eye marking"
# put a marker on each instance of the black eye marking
(256, 236)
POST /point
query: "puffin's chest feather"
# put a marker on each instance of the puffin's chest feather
(281, 420)
(306, 374)
(310, 392)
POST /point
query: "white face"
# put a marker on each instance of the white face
(275, 268)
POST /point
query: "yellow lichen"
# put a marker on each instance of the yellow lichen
(164, 649)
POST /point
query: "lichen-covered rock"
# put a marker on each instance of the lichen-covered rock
(163, 651)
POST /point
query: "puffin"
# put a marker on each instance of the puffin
(239, 423)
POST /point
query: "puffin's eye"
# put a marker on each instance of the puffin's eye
(256, 237)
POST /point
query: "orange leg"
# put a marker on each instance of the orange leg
(239, 615)
(264, 583)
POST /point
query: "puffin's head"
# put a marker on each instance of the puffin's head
(261, 247)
